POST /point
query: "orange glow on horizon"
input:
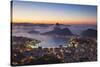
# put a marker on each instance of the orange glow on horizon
(67, 21)
(91, 22)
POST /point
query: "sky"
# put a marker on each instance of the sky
(51, 13)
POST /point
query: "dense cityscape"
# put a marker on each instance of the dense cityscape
(78, 49)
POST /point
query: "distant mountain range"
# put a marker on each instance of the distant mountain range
(22, 24)
(57, 29)
(30, 24)
(89, 33)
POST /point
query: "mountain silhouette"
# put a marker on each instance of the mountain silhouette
(89, 33)
(59, 31)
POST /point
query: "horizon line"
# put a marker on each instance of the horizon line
(53, 23)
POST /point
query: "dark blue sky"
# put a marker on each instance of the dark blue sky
(43, 12)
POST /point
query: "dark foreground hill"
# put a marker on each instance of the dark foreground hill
(89, 33)
(22, 40)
